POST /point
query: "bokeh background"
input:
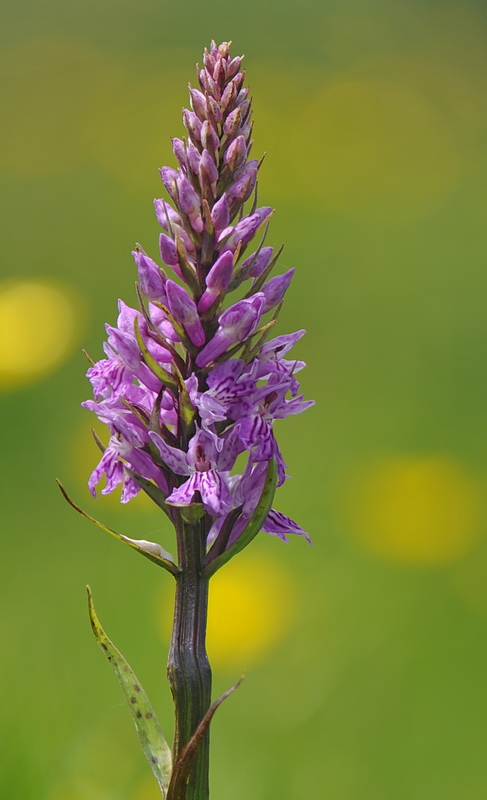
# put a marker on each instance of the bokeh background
(367, 653)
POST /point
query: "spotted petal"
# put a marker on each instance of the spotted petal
(175, 459)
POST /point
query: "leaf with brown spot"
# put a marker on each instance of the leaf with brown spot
(149, 731)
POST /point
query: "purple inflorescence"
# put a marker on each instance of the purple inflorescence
(192, 381)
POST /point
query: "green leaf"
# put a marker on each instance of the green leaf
(149, 731)
(151, 550)
(253, 526)
(186, 409)
(182, 768)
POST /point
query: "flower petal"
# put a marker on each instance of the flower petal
(279, 525)
(175, 459)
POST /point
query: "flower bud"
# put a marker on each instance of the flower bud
(258, 261)
(151, 278)
(242, 96)
(178, 230)
(208, 60)
(194, 157)
(233, 67)
(238, 80)
(160, 320)
(232, 122)
(275, 289)
(219, 73)
(198, 103)
(169, 251)
(208, 165)
(215, 110)
(245, 108)
(228, 97)
(203, 80)
(184, 311)
(244, 184)
(179, 150)
(217, 280)
(245, 230)
(192, 125)
(166, 215)
(169, 177)
(236, 324)
(236, 153)
(209, 137)
(190, 204)
(220, 215)
(125, 346)
(241, 190)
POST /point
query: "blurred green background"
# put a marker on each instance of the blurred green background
(367, 653)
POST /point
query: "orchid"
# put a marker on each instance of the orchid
(191, 384)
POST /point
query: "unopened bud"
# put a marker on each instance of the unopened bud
(151, 278)
(184, 311)
(198, 102)
(220, 214)
(275, 289)
(232, 122)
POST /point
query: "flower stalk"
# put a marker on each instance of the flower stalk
(188, 667)
(192, 381)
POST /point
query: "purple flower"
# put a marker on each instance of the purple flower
(280, 525)
(229, 393)
(182, 410)
(201, 464)
(118, 451)
(246, 493)
(109, 376)
(235, 325)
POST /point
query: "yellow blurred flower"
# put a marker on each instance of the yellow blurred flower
(414, 509)
(39, 324)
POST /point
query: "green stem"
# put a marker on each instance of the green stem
(188, 667)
